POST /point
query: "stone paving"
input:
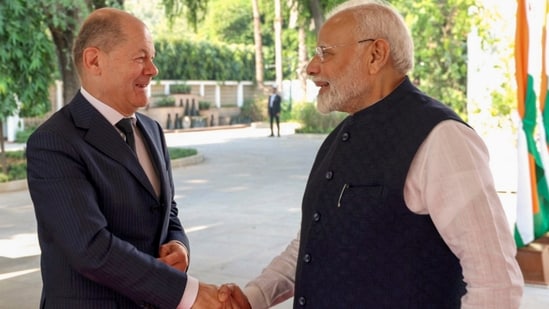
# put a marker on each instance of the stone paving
(240, 207)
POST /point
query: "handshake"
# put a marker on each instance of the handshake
(226, 296)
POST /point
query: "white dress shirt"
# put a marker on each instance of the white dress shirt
(450, 180)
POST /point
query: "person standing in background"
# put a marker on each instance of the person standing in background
(274, 110)
(100, 180)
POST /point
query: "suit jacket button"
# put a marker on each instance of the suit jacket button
(329, 175)
(302, 301)
(307, 258)
(345, 136)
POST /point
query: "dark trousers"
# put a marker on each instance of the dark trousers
(273, 117)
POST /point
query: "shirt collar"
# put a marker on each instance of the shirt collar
(108, 112)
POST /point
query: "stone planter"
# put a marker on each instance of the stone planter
(16, 185)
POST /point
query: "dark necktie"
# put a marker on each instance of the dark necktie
(125, 125)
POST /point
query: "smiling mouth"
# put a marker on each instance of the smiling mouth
(321, 84)
(141, 85)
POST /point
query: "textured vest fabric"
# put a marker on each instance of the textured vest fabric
(360, 246)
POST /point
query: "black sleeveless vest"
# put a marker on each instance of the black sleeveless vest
(360, 246)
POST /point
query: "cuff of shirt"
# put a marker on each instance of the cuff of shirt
(255, 297)
(190, 293)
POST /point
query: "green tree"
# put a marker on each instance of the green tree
(440, 29)
(27, 64)
(203, 60)
(194, 10)
(315, 10)
(229, 22)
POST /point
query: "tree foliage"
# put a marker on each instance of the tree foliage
(194, 10)
(29, 61)
(26, 64)
(186, 60)
(440, 29)
(228, 21)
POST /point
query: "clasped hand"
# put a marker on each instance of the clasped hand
(174, 254)
(227, 296)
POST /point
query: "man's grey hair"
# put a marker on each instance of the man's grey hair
(376, 19)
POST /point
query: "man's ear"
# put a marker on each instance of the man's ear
(90, 59)
(379, 55)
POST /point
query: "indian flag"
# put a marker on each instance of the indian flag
(531, 74)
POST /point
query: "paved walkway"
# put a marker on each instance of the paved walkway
(240, 207)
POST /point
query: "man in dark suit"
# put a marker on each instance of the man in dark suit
(108, 224)
(274, 110)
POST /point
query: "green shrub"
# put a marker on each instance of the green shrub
(180, 88)
(252, 110)
(23, 135)
(286, 111)
(17, 171)
(203, 105)
(165, 101)
(16, 166)
(177, 152)
(313, 121)
(15, 154)
(4, 177)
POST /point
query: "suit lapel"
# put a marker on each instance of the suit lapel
(103, 136)
(152, 141)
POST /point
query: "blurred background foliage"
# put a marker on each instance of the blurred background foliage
(214, 40)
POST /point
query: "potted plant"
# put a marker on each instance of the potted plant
(165, 101)
(204, 105)
(180, 89)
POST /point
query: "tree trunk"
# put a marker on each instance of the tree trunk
(63, 38)
(259, 70)
(318, 14)
(3, 160)
(278, 44)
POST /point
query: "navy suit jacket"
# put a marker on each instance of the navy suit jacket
(275, 108)
(100, 224)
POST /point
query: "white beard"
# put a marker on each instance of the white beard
(341, 91)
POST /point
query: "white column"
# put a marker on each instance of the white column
(240, 95)
(12, 126)
(217, 96)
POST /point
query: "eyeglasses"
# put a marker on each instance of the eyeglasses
(320, 50)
